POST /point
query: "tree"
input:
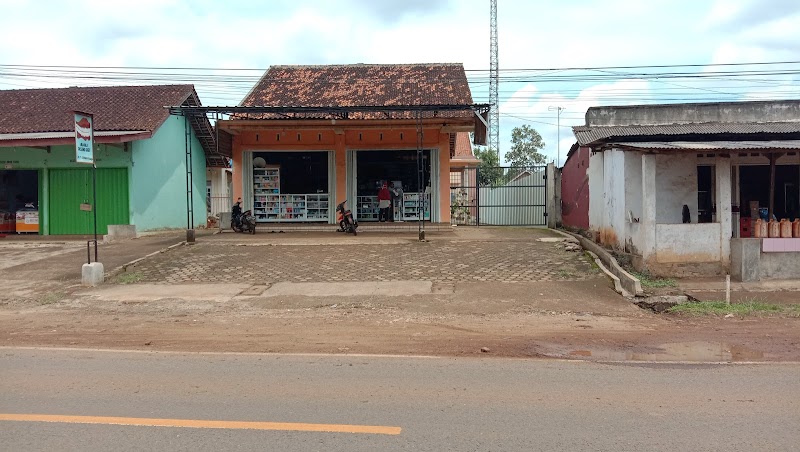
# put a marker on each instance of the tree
(525, 146)
(489, 171)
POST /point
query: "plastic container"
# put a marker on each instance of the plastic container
(786, 228)
(760, 229)
(774, 229)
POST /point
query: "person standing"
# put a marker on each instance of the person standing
(384, 202)
(236, 214)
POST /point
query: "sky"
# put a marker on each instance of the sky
(571, 54)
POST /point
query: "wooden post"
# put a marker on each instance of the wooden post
(772, 159)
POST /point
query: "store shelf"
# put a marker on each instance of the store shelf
(317, 207)
(266, 193)
(412, 207)
(367, 208)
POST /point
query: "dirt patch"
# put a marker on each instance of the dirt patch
(413, 326)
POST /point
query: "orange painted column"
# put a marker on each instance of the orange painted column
(236, 181)
(444, 178)
(340, 156)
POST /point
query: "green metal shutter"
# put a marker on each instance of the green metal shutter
(69, 188)
(112, 198)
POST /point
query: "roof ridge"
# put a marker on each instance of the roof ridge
(298, 66)
(682, 124)
(168, 85)
(689, 104)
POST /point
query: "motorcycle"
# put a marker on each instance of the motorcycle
(244, 222)
(345, 219)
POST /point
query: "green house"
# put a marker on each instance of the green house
(150, 166)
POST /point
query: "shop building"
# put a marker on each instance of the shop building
(681, 187)
(309, 137)
(140, 153)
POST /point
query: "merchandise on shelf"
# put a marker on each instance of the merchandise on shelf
(269, 204)
(367, 208)
(412, 206)
(266, 193)
(27, 220)
(7, 222)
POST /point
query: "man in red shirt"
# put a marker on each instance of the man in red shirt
(384, 203)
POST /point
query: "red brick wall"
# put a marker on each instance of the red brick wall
(575, 190)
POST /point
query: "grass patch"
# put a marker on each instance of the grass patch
(565, 274)
(743, 308)
(653, 282)
(50, 298)
(129, 278)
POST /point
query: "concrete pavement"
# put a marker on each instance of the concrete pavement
(511, 257)
(37, 267)
(424, 403)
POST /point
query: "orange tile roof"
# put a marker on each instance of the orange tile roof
(360, 85)
(113, 107)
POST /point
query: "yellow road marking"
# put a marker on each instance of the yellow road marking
(189, 423)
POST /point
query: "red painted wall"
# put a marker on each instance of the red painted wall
(575, 190)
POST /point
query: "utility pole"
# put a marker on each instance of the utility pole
(494, 79)
(558, 126)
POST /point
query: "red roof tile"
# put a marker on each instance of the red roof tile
(114, 108)
(358, 85)
(463, 148)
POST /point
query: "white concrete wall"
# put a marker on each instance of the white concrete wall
(646, 238)
(688, 243)
(615, 218)
(220, 194)
(596, 194)
(633, 184)
(723, 188)
(676, 185)
(633, 201)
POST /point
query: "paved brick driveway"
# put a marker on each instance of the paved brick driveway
(442, 260)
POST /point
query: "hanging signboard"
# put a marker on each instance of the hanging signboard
(84, 138)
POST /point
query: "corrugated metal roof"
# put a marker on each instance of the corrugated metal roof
(590, 134)
(714, 145)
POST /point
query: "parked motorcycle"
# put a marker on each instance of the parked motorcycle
(345, 219)
(243, 222)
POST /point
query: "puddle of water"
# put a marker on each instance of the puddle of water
(678, 351)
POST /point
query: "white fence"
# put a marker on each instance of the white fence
(217, 204)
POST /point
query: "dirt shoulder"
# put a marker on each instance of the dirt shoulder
(419, 325)
(510, 292)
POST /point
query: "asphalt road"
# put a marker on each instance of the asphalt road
(195, 402)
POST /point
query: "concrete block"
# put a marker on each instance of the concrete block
(746, 259)
(661, 303)
(92, 274)
(120, 232)
(225, 220)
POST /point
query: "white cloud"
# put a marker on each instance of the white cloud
(248, 34)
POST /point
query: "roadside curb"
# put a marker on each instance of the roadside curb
(628, 282)
(124, 267)
(617, 284)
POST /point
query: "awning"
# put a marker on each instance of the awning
(37, 139)
(703, 146)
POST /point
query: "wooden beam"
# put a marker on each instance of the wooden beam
(772, 159)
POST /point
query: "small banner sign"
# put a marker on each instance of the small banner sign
(84, 138)
(86, 207)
